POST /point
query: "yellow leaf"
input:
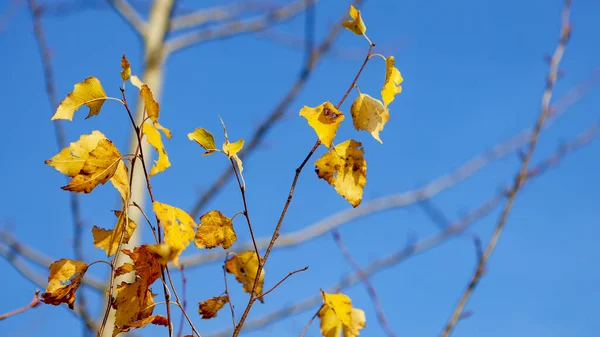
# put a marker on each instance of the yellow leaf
(356, 25)
(205, 139)
(369, 114)
(70, 160)
(154, 138)
(121, 181)
(165, 253)
(338, 316)
(126, 73)
(179, 227)
(88, 92)
(345, 169)
(58, 291)
(144, 264)
(231, 150)
(152, 107)
(108, 239)
(156, 320)
(325, 119)
(215, 229)
(209, 308)
(245, 266)
(136, 82)
(393, 78)
(98, 168)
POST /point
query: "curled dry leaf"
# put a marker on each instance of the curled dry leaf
(356, 25)
(126, 66)
(369, 114)
(393, 79)
(339, 317)
(205, 139)
(245, 266)
(108, 240)
(179, 227)
(215, 229)
(325, 119)
(89, 92)
(345, 168)
(209, 308)
(61, 272)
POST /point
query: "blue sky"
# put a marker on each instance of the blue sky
(474, 72)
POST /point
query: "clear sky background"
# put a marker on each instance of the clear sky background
(474, 74)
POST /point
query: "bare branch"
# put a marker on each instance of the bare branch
(34, 303)
(523, 172)
(281, 281)
(218, 14)
(131, 16)
(399, 200)
(237, 27)
(368, 285)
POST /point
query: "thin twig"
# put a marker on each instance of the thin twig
(523, 170)
(365, 280)
(242, 187)
(236, 28)
(281, 281)
(228, 297)
(34, 303)
(184, 294)
(310, 322)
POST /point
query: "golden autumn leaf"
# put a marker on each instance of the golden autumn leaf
(215, 229)
(209, 308)
(70, 160)
(134, 302)
(154, 138)
(152, 107)
(205, 139)
(325, 119)
(345, 168)
(179, 227)
(121, 181)
(58, 291)
(89, 92)
(126, 66)
(245, 266)
(156, 320)
(369, 114)
(99, 167)
(339, 317)
(231, 150)
(108, 239)
(356, 25)
(393, 79)
(163, 253)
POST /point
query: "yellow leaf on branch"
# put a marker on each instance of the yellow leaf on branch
(154, 138)
(164, 253)
(126, 66)
(356, 25)
(369, 114)
(89, 93)
(339, 317)
(245, 267)
(345, 168)
(215, 229)
(70, 160)
(209, 308)
(231, 150)
(205, 139)
(121, 181)
(179, 227)
(325, 119)
(393, 79)
(108, 239)
(152, 107)
(58, 291)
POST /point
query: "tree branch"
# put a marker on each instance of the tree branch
(237, 27)
(34, 303)
(131, 16)
(523, 172)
